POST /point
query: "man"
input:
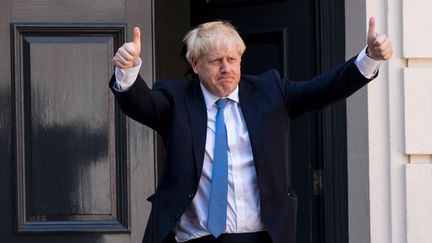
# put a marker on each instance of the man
(226, 136)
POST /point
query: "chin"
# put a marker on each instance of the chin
(226, 92)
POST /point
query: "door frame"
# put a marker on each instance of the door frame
(330, 22)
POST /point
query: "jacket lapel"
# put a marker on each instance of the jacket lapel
(250, 105)
(197, 115)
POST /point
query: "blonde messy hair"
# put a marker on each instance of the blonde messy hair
(212, 36)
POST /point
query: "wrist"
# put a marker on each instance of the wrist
(370, 55)
(367, 52)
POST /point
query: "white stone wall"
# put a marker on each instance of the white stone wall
(390, 127)
(417, 50)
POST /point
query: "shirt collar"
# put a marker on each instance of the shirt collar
(210, 98)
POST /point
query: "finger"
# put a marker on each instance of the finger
(121, 66)
(131, 49)
(126, 54)
(380, 54)
(388, 55)
(383, 46)
(379, 40)
(371, 30)
(117, 63)
(384, 51)
(137, 37)
(123, 61)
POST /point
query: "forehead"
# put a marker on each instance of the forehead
(223, 52)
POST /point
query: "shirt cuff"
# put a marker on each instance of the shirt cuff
(367, 66)
(125, 78)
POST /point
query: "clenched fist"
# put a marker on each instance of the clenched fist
(379, 45)
(129, 52)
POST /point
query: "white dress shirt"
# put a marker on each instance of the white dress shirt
(243, 210)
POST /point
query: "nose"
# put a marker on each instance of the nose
(225, 66)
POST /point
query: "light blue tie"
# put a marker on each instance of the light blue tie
(217, 211)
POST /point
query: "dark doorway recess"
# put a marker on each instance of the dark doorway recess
(301, 39)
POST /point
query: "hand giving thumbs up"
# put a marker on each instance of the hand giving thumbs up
(129, 52)
(379, 45)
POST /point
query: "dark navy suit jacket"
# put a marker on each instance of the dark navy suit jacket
(177, 111)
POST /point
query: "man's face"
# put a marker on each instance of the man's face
(218, 71)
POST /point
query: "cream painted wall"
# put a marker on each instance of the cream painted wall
(417, 50)
(390, 127)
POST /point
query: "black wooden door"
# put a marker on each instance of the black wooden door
(72, 167)
(300, 39)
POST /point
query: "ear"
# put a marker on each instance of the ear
(194, 65)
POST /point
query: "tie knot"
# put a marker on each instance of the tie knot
(220, 103)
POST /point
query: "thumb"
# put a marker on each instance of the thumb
(137, 38)
(371, 30)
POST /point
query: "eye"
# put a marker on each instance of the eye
(216, 61)
(232, 59)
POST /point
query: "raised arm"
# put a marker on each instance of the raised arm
(147, 106)
(343, 80)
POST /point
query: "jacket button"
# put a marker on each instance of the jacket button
(191, 196)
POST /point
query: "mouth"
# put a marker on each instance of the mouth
(226, 79)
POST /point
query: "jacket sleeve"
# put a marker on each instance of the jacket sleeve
(147, 106)
(323, 90)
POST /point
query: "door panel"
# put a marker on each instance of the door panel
(76, 11)
(73, 167)
(64, 122)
